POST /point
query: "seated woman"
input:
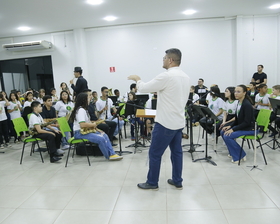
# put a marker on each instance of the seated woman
(216, 105)
(243, 124)
(81, 119)
(229, 109)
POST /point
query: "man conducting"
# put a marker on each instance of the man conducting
(172, 87)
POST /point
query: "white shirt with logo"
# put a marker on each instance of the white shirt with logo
(63, 108)
(16, 113)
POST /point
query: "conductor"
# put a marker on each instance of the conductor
(172, 87)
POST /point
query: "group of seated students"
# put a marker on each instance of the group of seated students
(236, 115)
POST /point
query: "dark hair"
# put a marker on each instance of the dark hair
(261, 86)
(68, 98)
(94, 92)
(115, 91)
(10, 99)
(175, 54)
(103, 88)
(34, 104)
(133, 94)
(192, 87)
(86, 90)
(277, 87)
(231, 89)
(28, 93)
(52, 89)
(253, 83)
(65, 84)
(216, 90)
(244, 88)
(46, 97)
(1, 95)
(81, 102)
(261, 66)
(132, 86)
(201, 79)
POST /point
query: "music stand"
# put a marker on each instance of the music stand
(154, 104)
(130, 110)
(114, 99)
(205, 112)
(142, 99)
(117, 114)
(275, 104)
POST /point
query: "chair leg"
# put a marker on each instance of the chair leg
(241, 151)
(262, 152)
(74, 150)
(87, 153)
(248, 144)
(39, 151)
(68, 154)
(32, 148)
(22, 152)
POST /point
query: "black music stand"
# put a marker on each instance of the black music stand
(142, 99)
(154, 104)
(117, 114)
(191, 109)
(275, 104)
(130, 110)
(205, 112)
(114, 99)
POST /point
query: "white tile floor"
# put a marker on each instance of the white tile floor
(106, 192)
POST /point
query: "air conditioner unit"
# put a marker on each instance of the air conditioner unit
(27, 46)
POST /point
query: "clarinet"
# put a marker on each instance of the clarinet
(106, 105)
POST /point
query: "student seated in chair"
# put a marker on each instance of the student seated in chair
(81, 120)
(243, 124)
(53, 136)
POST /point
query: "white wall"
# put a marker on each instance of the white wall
(211, 49)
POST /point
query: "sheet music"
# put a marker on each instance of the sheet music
(150, 112)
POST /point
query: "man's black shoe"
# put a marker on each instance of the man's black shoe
(146, 186)
(54, 159)
(41, 149)
(58, 155)
(114, 138)
(113, 144)
(171, 182)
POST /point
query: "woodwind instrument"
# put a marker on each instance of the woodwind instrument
(85, 131)
(33, 131)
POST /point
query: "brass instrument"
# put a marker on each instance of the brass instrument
(33, 131)
(85, 131)
(110, 93)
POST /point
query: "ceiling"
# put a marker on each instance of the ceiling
(44, 16)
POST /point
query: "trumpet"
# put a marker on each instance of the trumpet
(33, 131)
(85, 131)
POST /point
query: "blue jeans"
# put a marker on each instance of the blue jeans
(233, 147)
(102, 140)
(117, 128)
(161, 138)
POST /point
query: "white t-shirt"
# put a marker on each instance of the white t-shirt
(170, 109)
(263, 99)
(16, 113)
(35, 119)
(216, 105)
(40, 100)
(3, 115)
(100, 104)
(62, 108)
(195, 97)
(208, 97)
(230, 107)
(27, 104)
(81, 116)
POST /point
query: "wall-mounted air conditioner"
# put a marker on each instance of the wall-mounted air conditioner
(27, 46)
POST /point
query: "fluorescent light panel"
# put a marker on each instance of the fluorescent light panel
(276, 6)
(24, 28)
(110, 18)
(189, 12)
(95, 2)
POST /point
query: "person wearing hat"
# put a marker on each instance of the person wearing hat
(81, 83)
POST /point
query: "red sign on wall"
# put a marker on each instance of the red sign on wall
(112, 69)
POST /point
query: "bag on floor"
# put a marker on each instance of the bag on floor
(92, 150)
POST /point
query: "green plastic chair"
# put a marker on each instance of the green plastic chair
(20, 126)
(64, 127)
(269, 90)
(263, 120)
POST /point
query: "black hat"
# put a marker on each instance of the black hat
(77, 69)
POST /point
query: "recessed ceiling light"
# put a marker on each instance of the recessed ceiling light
(24, 28)
(189, 12)
(276, 6)
(95, 2)
(110, 18)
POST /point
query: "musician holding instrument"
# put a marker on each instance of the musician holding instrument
(81, 120)
(53, 136)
